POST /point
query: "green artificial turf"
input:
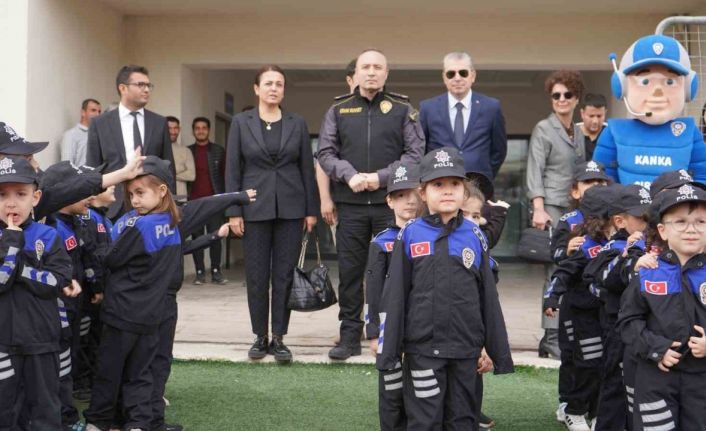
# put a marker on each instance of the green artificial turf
(220, 396)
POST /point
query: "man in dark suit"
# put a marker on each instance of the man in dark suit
(115, 136)
(468, 120)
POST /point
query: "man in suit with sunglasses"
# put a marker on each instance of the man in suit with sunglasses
(471, 121)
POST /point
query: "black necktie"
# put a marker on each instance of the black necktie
(458, 125)
(136, 137)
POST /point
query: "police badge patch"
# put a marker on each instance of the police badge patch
(39, 248)
(678, 128)
(385, 106)
(468, 257)
(702, 293)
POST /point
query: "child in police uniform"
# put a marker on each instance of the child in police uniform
(403, 199)
(663, 312)
(440, 306)
(35, 268)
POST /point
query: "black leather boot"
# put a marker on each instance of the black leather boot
(259, 348)
(281, 352)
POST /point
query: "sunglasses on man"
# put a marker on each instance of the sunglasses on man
(451, 74)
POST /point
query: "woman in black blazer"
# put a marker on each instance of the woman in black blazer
(269, 150)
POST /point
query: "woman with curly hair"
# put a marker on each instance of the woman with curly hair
(555, 147)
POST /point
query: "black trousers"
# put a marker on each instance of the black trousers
(271, 251)
(124, 358)
(29, 384)
(587, 357)
(391, 400)
(441, 394)
(162, 364)
(69, 413)
(215, 250)
(669, 401)
(612, 403)
(629, 371)
(566, 348)
(356, 226)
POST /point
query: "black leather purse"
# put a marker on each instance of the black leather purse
(534, 245)
(311, 290)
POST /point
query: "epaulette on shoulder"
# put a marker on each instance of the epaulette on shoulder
(343, 96)
(401, 232)
(398, 95)
(131, 221)
(481, 237)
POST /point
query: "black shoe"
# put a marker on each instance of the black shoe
(173, 427)
(344, 351)
(200, 278)
(279, 350)
(486, 422)
(217, 277)
(259, 348)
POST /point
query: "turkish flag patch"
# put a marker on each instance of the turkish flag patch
(593, 251)
(389, 246)
(656, 287)
(70, 243)
(420, 249)
(101, 228)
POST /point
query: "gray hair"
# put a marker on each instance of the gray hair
(458, 56)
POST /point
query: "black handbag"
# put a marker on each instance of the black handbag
(534, 245)
(311, 290)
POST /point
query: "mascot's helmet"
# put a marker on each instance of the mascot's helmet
(655, 49)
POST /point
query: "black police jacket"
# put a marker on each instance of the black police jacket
(378, 260)
(662, 305)
(143, 260)
(567, 279)
(35, 267)
(562, 233)
(360, 135)
(440, 298)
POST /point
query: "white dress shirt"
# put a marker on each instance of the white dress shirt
(466, 112)
(126, 124)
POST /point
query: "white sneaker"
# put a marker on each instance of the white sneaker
(91, 427)
(560, 413)
(576, 423)
(166, 402)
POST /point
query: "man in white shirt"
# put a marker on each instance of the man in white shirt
(465, 119)
(73, 144)
(115, 136)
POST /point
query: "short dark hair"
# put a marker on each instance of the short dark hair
(570, 78)
(172, 119)
(371, 49)
(269, 68)
(84, 104)
(200, 120)
(350, 69)
(594, 100)
(125, 72)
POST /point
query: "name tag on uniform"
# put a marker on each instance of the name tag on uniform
(350, 110)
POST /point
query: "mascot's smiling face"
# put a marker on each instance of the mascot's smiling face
(656, 89)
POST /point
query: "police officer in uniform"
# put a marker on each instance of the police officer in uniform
(362, 134)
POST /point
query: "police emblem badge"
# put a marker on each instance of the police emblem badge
(657, 48)
(468, 257)
(39, 248)
(702, 293)
(385, 106)
(678, 128)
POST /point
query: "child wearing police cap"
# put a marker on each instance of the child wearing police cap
(146, 245)
(403, 198)
(608, 275)
(35, 269)
(663, 312)
(579, 325)
(440, 305)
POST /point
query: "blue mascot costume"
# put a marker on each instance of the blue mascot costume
(655, 81)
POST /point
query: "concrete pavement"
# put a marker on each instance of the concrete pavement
(214, 321)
